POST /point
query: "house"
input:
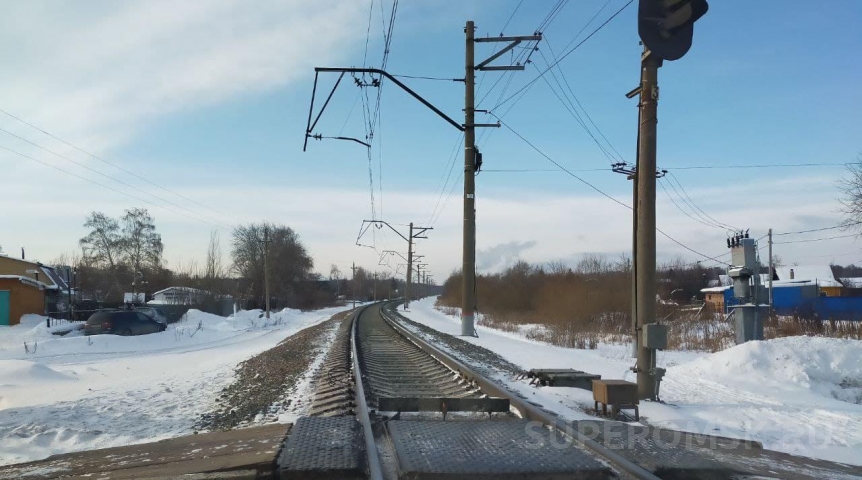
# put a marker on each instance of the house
(193, 297)
(180, 296)
(807, 291)
(29, 287)
(716, 297)
(819, 275)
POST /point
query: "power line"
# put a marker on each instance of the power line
(698, 220)
(419, 77)
(121, 182)
(696, 208)
(106, 186)
(575, 114)
(575, 97)
(816, 239)
(533, 81)
(597, 189)
(511, 17)
(93, 155)
(774, 165)
(843, 225)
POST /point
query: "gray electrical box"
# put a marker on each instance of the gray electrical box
(655, 336)
(745, 254)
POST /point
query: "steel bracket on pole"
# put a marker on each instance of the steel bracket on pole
(514, 42)
(309, 128)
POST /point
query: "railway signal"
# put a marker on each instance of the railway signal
(666, 26)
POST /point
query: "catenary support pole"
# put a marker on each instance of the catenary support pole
(635, 341)
(468, 267)
(407, 288)
(646, 217)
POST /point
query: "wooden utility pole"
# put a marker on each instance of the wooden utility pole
(646, 236)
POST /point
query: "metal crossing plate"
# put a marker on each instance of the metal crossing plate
(323, 447)
(438, 404)
(486, 449)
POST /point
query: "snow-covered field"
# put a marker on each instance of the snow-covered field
(801, 395)
(77, 392)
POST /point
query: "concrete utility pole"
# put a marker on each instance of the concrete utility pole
(407, 289)
(468, 266)
(354, 284)
(415, 232)
(771, 270)
(646, 241)
(266, 241)
(472, 162)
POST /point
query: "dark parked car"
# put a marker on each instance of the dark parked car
(156, 314)
(122, 322)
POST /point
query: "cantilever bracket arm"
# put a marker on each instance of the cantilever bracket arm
(310, 126)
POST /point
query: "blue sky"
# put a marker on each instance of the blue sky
(210, 100)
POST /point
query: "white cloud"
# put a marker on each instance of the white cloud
(97, 72)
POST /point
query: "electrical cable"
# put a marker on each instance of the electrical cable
(107, 162)
(563, 57)
(816, 239)
(121, 182)
(597, 189)
(108, 187)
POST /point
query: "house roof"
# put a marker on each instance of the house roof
(182, 289)
(26, 281)
(715, 289)
(852, 282)
(819, 274)
(56, 280)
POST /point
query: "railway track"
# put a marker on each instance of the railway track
(389, 404)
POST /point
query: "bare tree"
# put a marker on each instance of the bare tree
(851, 201)
(101, 247)
(289, 261)
(557, 267)
(214, 268)
(141, 246)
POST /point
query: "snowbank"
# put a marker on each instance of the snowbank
(798, 395)
(824, 366)
(77, 392)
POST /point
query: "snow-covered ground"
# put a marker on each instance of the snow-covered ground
(77, 392)
(801, 395)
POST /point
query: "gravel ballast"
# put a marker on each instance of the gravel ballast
(264, 384)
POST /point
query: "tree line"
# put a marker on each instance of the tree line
(125, 254)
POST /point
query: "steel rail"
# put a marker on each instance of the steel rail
(375, 472)
(525, 409)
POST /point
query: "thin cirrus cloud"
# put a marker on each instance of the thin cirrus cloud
(97, 72)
